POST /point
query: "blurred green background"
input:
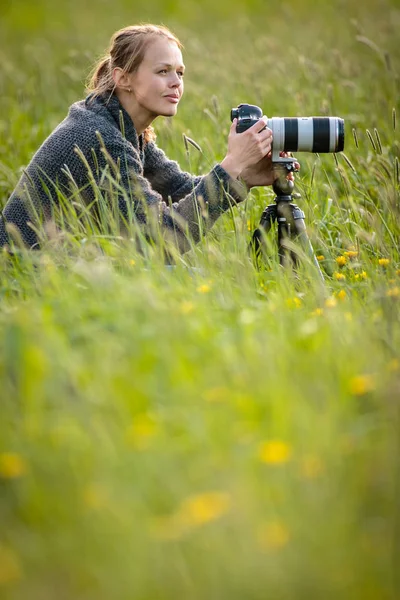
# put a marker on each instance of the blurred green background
(213, 431)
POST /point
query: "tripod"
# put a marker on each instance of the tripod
(290, 219)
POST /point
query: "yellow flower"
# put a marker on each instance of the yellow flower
(141, 432)
(273, 535)
(311, 466)
(12, 465)
(393, 292)
(132, 262)
(204, 289)
(361, 384)
(393, 365)
(318, 312)
(293, 302)
(330, 302)
(351, 253)
(10, 568)
(339, 276)
(341, 261)
(274, 452)
(199, 509)
(383, 262)
(249, 227)
(186, 307)
(362, 275)
(320, 257)
(341, 295)
(194, 511)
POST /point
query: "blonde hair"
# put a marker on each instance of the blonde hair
(126, 51)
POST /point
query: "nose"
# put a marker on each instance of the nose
(175, 81)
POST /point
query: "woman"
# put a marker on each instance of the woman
(105, 148)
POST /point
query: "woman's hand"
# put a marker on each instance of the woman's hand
(262, 172)
(247, 148)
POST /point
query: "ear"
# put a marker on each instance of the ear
(121, 79)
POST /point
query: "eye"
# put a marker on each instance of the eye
(180, 73)
(163, 71)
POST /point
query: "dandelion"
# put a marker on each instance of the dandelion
(393, 292)
(320, 257)
(362, 275)
(273, 535)
(204, 289)
(12, 465)
(331, 302)
(341, 295)
(200, 509)
(341, 261)
(393, 365)
(195, 510)
(361, 385)
(311, 467)
(350, 254)
(339, 276)
(186, 307)
(293, 302)
(383, 262)
(10, 568)
(141, 432)
(274, 452)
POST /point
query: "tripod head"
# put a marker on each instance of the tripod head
(282, 166)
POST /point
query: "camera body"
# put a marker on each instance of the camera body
(294, 134)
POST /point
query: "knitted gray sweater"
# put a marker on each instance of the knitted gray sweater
(96, 148)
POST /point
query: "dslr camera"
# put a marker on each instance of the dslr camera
(294, 134)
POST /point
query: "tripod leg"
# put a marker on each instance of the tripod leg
(267, 218)
(285, 232)
(300, 231)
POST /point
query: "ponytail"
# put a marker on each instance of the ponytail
(101, 81)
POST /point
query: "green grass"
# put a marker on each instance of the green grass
(211, 431)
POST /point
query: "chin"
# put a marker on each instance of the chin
(170, 112)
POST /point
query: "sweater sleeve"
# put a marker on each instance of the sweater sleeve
(199, 201)
(165, 176)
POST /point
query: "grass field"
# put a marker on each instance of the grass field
(212, 431)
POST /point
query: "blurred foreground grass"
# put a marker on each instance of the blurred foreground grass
(210, 431)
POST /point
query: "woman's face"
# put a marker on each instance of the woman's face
(157, 85)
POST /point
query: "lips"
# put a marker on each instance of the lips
(172, 98)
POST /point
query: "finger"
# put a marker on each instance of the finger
(259, 125)
(266, 134)
(233, 126)
(267, 142)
